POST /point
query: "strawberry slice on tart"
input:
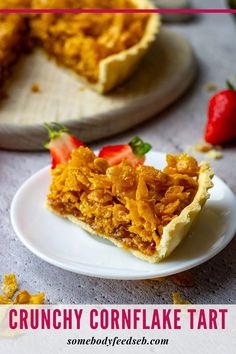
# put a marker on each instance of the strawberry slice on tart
(61, 143)
(134, 152)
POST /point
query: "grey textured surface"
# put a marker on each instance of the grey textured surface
(213, 37)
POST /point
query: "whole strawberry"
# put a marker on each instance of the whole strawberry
(221, 124)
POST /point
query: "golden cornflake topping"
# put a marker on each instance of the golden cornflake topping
(23, 297)
(9, 285)
(133, 205)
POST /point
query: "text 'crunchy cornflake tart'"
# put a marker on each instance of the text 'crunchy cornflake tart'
(146, 211)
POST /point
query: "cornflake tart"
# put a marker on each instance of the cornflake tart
(146, 211)
(102, 49)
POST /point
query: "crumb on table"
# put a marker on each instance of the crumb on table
(177, 299)
(213, 152)
(35, 88)
(202, 147)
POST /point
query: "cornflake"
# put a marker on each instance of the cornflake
(213, 152)
(35, 88)
(23, 297)
(9, 285)
(177, 300)
(4, 300)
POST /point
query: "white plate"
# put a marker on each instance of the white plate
(65, 245)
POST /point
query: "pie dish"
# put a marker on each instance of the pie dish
(146, 211)
(102, 50)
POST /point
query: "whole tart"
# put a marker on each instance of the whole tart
(103, 49)
(146, 211)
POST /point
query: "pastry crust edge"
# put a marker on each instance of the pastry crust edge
(116, 68)
(175, 231)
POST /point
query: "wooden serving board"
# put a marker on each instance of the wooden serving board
(164, 75)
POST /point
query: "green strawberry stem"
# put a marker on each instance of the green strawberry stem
(54, 131)
(230, 85)
(139, 147)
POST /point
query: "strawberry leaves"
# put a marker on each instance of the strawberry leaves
(139, 147)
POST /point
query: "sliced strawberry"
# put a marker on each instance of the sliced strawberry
(134, 152)
(61, 144)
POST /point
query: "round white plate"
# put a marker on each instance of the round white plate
(65, 245)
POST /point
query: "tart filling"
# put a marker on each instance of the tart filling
(12, 31)
(144, 210)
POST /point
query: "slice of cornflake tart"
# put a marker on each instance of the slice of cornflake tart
(103, 49)
(146, 211)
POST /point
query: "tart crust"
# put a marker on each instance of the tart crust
(175, 231)
(116, 68)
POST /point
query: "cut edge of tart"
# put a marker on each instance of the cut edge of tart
(172, 233)
(116, 68)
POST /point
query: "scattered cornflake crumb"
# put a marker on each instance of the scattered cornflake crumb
(82, 89)
(37, 299)
(213, 151)
(177, 300)
(210, 87)
(4, 300)
(23, 297)
(183, 279)
(202, 147)
(9, 285)
(35, 88)
(215, 154)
